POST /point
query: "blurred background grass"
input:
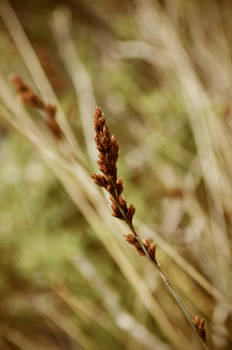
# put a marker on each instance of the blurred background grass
(161, 71)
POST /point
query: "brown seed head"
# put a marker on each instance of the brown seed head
(28, 97)
(119, 186)
(26, 94)
(108, 148)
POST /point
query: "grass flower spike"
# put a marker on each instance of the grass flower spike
(108, 155)
(108, 149)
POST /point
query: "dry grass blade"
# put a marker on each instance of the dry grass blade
(45, 307)
(111, 302)
(197, 103)
(61, 27)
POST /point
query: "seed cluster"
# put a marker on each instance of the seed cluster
(108, 148)
(28, 97)
(150, 247)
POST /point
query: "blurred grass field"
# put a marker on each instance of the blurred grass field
(161, 71)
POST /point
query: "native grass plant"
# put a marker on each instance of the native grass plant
(108, 155)
(171, 112)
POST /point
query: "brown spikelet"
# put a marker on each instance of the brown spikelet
(122, 203)
(131, 211)
(51, 122)
(200, 326)
(152, 250)
(100, 180)
(28, 97)
(116, 211)
(119, 186)
(130, 238)
(150, 247)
